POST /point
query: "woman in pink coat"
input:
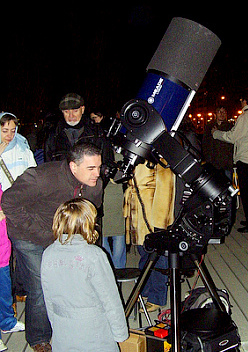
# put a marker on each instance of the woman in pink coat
(8, 322)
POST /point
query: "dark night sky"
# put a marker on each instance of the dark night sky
(101, 51)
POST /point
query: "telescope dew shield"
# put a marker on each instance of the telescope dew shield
(177, 69)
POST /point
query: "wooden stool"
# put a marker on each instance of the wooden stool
(129, 275)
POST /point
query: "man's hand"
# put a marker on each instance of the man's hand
(214, 129)
(2, 216)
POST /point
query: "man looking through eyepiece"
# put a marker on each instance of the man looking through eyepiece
(29, 206)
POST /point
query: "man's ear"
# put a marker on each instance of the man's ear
(83, 109)
(73, 167)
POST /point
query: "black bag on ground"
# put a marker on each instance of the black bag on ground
(205, 328)
(227, 342)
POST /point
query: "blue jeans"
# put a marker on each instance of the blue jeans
(118, 255)
(29, 256)
(155, 288)
(7, 319)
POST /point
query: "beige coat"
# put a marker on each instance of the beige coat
(238, 136)
(157, 191)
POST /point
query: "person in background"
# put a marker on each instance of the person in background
(218, 152)
(79, 286)
(238, 136)
(68, 129)
(17, 157)
(14, 150)
(100, 119)
(113, 223)
(75, 127)
(8, 322)
(29, 206)
(113, 232)
(156, 188)
(96, 116)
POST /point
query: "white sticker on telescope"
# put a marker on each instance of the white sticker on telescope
(156, 90)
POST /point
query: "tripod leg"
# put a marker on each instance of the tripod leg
(137, 288)
(175, 300)
(145, 311)
(209, 283)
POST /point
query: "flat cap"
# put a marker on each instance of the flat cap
(71, 101)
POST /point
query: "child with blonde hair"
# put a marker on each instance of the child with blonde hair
(81, 295)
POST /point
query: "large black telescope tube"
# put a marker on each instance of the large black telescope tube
(177, 69)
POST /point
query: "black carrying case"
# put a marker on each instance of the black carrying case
(208, 330)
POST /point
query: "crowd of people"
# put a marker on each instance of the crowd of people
(68, 236)
(78, 150)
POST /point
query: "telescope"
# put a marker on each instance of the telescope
(146, 132)
(149, 123)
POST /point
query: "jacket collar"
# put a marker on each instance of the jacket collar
(77, 238)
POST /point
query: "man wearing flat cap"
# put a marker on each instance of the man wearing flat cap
(75, 127)
(72, 107)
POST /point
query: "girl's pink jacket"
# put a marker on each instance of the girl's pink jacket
(5, 244)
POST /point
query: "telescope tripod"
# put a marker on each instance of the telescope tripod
(175, 291)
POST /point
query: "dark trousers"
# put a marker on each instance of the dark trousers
(156, 286)
(29, 256)
(242, 169)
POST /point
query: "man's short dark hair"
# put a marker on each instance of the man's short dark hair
(79, 150)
